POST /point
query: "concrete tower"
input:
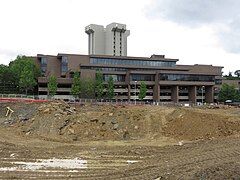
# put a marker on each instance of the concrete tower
(111, 40)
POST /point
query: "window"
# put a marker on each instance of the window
(116, 78)
(218, 81)
(186, 77)
(141, 77)
(43, 65)
(131, 62)
(64, 66)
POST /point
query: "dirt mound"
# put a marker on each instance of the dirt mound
(194, 124)
(58, 120)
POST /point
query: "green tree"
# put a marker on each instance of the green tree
(237, 73)
(76, 85)
(27, 80)
(143, 91)
(6, 79)
(88, 87)
(26, 64)
(99, 87)
(228, 92)
(110, 88)
(52, 85)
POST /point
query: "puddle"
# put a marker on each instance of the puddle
(63, 165)
(48, 163)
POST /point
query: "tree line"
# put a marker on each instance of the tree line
(229, 92)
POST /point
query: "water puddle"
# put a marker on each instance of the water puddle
(63, 165)
(48, 163)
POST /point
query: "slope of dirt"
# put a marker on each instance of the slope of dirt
(58, 120)
(195, 124)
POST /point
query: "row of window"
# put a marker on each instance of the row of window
(127, 69)
(142, 77)
(116, 78)
(186, 77)
(131, 62)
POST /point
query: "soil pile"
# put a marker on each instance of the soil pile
(58, 120)
(195, 124)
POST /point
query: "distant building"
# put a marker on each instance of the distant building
(111, 40)
(166, 81)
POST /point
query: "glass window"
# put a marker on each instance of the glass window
(43, 61)
(131, 62)
(186, 77)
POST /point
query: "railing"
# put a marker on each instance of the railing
(24, 98)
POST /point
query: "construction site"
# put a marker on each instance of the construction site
(58, 140)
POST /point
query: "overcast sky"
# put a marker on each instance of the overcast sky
(193, 31)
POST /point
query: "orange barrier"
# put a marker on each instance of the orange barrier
(23, 100)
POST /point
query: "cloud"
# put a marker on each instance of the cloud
(221, 15)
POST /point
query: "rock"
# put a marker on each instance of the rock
(115, 126)
(126, 135)
(71, 131)
(114, 121)
(94, 120)
(110, 114)
(21, 117)
(46, 111)
(56, 115)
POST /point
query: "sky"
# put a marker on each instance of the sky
(193, 31)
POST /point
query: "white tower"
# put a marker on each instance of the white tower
(111, 40)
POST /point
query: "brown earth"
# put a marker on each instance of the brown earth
(119, 142)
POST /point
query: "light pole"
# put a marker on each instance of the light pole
(202, 94)
(135, 91)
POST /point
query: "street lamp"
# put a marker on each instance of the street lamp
(202, 94)
(135, 91)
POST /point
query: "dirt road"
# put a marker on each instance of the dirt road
(154, 156)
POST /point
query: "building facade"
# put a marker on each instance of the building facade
(111, 40)
(166, 80)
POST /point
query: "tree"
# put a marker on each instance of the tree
(110, 88)
(88, 87)
(99, 87)
(143, 91)
(237, 73)
(76, 85)
(27, 80)
(6, 79)
(228, 92)
(52, 85)
(26, 64)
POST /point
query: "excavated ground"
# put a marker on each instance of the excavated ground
(90, 141)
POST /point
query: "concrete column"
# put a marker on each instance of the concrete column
(156, 93)
(175, 94)
(209, 94)
(192, 94)
(129, 92)
(156, 89)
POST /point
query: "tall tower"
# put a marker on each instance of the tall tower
(111, 40)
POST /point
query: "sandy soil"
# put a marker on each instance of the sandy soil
(61, 141)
